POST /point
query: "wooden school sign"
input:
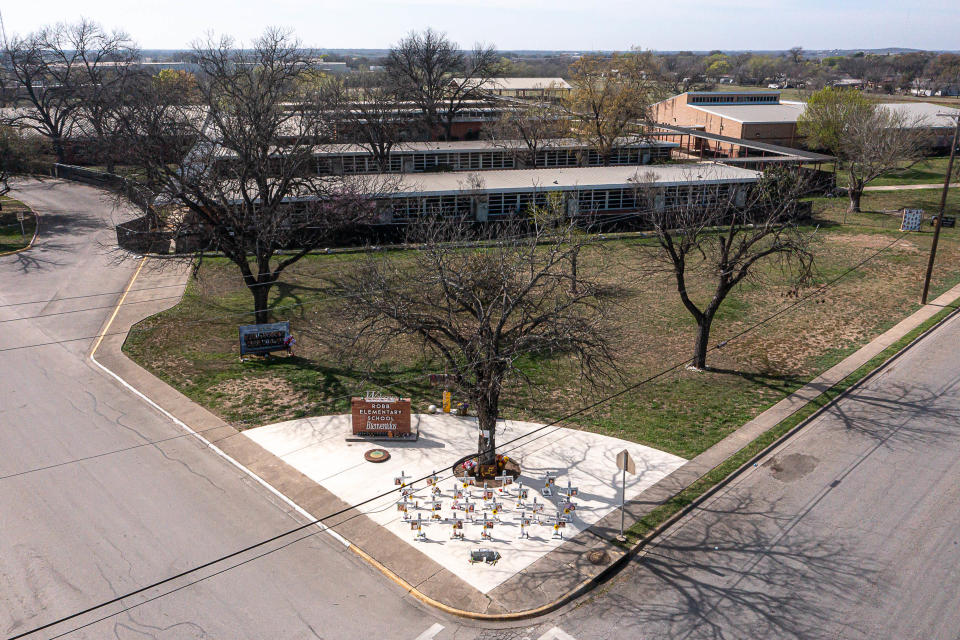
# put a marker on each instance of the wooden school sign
(381, 416)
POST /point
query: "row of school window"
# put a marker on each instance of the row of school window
(770, 99)
(587, 201)
(480, 160)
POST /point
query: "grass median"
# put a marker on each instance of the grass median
(12, 236)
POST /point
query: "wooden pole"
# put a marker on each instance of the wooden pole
(943, 205)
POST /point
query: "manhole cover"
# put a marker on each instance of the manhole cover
(376, 455)
(597, 556)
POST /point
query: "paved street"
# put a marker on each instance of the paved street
(75, 535)
(851, 530)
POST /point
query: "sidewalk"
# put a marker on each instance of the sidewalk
(550, 581)
(900, 187)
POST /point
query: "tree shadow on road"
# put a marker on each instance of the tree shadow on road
(740, 570)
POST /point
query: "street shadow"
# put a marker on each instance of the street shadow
(741, 569)
(903, 414)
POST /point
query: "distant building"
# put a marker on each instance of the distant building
(938, 119)
(540, 88)
(757, 116)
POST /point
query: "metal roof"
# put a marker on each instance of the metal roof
(782, 113)
(926, 110)
(572, 178)
(788, 154)
(464, 146)
(521, 84)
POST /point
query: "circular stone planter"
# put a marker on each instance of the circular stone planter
(376, 455)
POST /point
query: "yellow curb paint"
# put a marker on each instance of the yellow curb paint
(36, 231)
(116, 310)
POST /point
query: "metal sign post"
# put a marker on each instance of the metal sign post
(625, 463)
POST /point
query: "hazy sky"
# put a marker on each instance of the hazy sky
(525, 24)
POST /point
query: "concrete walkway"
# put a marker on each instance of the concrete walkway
(904, 187)
(545, 582)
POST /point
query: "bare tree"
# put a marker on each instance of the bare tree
(20, 153)
(237, 171)
(725, 235)
(609, 96)
(480, 310)
(524, 130)
(56, 68)
(868, 139)
(434, 74)
(370, 113)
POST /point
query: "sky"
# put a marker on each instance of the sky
(523, 24)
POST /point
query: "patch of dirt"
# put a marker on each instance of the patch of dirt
(791, 467)
(283, 396)
(873, 241)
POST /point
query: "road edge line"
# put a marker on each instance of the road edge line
(303, 512)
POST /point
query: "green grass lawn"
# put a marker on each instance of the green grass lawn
(11, 237)
(194, 345)
(928, 171)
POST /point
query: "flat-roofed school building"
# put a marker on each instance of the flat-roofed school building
(755, 116)
(538, 88)
(600, 191)
(481, 155)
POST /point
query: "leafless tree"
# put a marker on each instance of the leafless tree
(867, 138)
(237, 171)
(439, 78)
(524, 130)
(370, 113)
(609, 96)
(482, 309)
(20, 153)
(725, 235)
(60, 67)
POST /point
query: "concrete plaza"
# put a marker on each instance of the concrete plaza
(317, 447)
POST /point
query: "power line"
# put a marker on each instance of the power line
(319, 521)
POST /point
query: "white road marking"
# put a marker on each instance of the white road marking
(431, 632)
(556, 634)
(209, 444)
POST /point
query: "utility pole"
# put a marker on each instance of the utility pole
(943, 205)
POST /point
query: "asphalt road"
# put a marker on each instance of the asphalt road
(850, 530)
(78, 534)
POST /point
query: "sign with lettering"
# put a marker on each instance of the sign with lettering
(381, 416)
(264, 338)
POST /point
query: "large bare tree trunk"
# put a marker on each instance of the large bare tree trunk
(703, 340)
(261, 293)
(855, 195)
(487, 423)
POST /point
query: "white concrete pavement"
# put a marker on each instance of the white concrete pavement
(318, 448)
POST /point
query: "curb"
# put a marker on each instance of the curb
(36, 232)
(637, 549)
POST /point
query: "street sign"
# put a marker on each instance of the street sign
(625, 462)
